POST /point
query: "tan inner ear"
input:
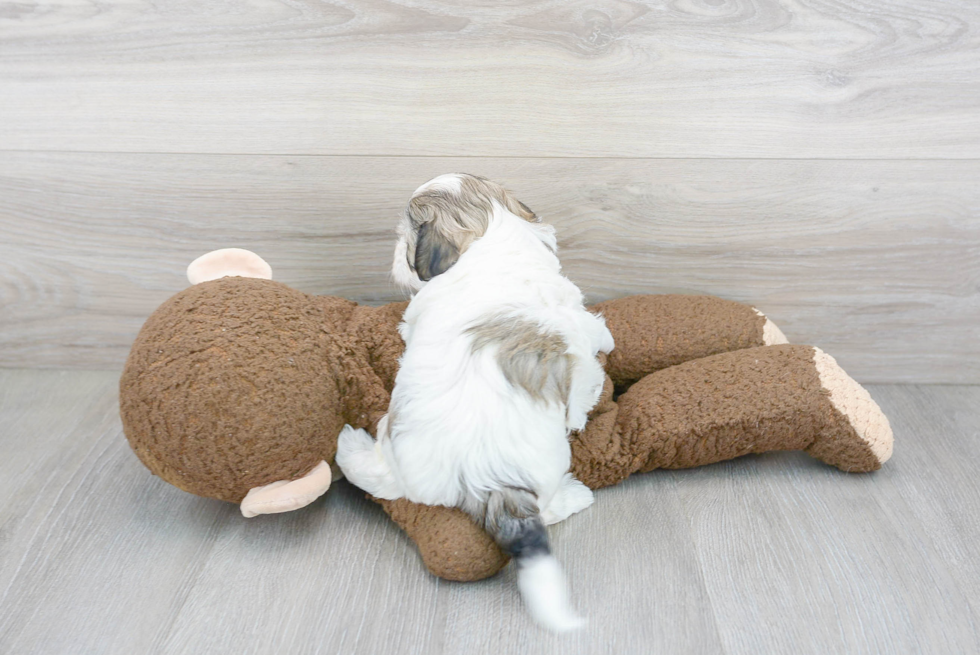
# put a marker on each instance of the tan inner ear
(287, 495)
(228, 262)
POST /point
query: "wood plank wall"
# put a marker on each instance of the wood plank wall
(818, 159)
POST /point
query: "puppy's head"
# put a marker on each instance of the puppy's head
(444, 216)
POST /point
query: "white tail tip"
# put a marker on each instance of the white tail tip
(543, 588)
(228, 262)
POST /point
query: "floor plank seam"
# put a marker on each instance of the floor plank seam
(325, 155)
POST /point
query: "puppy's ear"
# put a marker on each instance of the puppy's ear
(434, 253)
(518, 208)
(480, 187)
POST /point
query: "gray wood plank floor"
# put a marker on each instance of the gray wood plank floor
(768, 554)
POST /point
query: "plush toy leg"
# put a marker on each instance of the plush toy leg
(862, 413)
(721, 407)
(287, 495)
(655, 332)
(452, 546)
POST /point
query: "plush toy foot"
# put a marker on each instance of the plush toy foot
(287, 495)
(571, 498)
(228, 262)
(863, 416)
(754, 400)
(771, 334)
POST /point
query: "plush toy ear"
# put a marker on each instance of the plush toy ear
(228, 262)
(287, 495)
(434, 253)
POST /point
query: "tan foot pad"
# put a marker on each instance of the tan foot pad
(287, 495)
(853, 401)
(771, 334)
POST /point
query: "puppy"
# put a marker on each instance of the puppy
(499, 367)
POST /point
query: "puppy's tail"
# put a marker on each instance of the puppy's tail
(512, 519)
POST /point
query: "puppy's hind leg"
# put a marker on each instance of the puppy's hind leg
(361, 459)
(572, 497)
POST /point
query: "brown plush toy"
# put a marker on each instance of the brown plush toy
(237, 388)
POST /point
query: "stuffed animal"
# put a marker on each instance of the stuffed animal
(237, 388)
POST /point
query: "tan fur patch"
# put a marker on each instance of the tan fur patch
(476, 189)
(530, 358)
(441, 222)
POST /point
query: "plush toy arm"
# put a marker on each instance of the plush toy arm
(451, 544)
(655, 332)
(370, 362)
(721, 407)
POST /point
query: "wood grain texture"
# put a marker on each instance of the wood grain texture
(665, 78)
(878, 263)
(774, 553)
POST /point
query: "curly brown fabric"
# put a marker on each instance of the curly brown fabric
(452, 546)
(238, 383)
(231, 384)
(656, 332)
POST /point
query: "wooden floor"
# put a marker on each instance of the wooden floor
(769, 554)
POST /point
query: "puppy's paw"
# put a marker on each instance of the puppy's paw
(359, 456)
(572, 497)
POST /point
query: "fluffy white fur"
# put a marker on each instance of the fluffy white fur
(458, 429)
(542, 586)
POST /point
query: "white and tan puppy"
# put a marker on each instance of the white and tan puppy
(499, 367)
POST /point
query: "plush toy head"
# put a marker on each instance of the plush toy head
(237, 387)
(231, 385)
